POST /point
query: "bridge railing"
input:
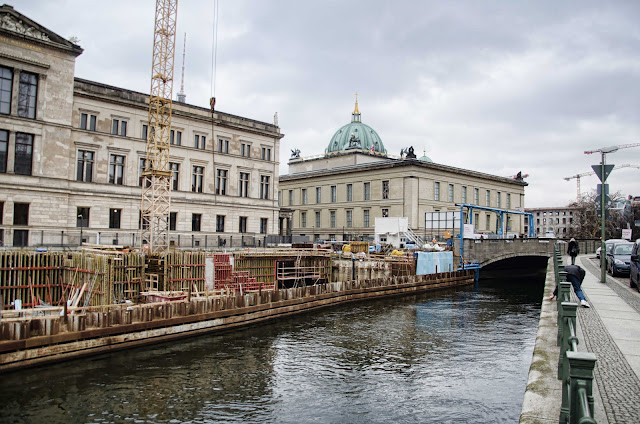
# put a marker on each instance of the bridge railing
(575, 369)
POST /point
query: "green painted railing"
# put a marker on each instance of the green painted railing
(575, 369)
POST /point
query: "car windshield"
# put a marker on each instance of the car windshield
(623, 249)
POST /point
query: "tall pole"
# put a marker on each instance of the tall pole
(603, 197)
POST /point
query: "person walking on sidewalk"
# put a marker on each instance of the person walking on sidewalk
(572, 250)
(575, 275)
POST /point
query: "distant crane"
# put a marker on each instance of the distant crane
(585, 174)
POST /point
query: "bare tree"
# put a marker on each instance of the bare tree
(587, 220)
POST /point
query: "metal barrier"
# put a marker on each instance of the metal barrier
(575, 369)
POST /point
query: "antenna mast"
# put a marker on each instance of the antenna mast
(182, 98)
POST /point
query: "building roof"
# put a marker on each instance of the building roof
(355, 135)
(390, 163)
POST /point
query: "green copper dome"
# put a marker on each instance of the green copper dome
(425, 158)
(356, 136)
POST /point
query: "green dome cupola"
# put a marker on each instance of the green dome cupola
(356, 136)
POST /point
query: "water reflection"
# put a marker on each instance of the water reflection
(454, 356)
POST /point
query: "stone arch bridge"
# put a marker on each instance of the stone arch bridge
(489, 251)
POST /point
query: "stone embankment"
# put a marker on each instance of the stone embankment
(30, 341)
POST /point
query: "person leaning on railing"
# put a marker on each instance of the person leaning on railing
(575, 275)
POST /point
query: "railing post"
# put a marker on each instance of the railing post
(564, 295)
(580, 386)
(569, 317)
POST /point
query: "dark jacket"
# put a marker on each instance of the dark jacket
(576, 271)
(573, 249)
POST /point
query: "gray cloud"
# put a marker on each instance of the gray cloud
(492, 86)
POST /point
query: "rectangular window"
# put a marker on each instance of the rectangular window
(332, 215)
(175, 175)
(303, 219)
(223, 146)
(143, 224)
(4, 149)
(476, 196)
(498, 199)
(487, 198)
(245, 150)
(92, 122)
(175, 138)
(173, 218)
(349, 218)
(476, 220)
(243, 188)
(264, 186)
(290, 197)
(196, 221)
(464, 194)
(84, 170)
(6, 89)
(145, 131)
(82, 217)
(318, 194)
(141, 168)
(21, 214)
(200, 142)
(116, 169)
(27, 92)
(23, 154)
(221, 182)
(317, 219)
(197, 176)
(266, 153)
(220, 223)
(123, 128)
(487, 222)
(334, 195)
(243, 224)
(114, 218)
(508, 201)
(385, 189)
(263, 225)
(349, 192)
(436, 191)
(367, 191)
(115, 126)
(365, 218)
(385, 213)
(451, 192)
(304, 196)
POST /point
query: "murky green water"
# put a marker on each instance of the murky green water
(454, 356)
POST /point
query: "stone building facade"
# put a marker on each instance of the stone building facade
(339, 194)
(71, 153)
(558, 221)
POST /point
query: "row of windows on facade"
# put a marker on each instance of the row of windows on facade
(544, 221)
(85, 169)
(385, 194)
(27, 92)
(119, 127)
(557, 213)
(348, 218)
(551, 229)
(21, 218)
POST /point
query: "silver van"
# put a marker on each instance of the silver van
(634, 266)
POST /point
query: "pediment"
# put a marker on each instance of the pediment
(16, 23)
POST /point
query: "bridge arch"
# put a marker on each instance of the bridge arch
(504, 256)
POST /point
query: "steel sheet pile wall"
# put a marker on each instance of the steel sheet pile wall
(30, 277)
(52, 338)
(185, 271)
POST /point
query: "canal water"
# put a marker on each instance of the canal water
(455, 356)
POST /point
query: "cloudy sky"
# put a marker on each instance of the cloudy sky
(493, 86)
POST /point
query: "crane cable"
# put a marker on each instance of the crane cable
(214, 49)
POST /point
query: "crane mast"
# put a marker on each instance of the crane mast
(156, 187)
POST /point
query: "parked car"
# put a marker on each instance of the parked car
(607, 247)
(598, 252)
(619, 258)
(634, 266)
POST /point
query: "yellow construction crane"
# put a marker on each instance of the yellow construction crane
(584, 174)
(156, 187)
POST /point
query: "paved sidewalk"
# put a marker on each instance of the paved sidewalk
(611, 330)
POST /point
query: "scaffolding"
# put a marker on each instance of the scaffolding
(286, 268)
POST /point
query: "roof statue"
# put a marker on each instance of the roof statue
(356, 135)
(295, 153)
